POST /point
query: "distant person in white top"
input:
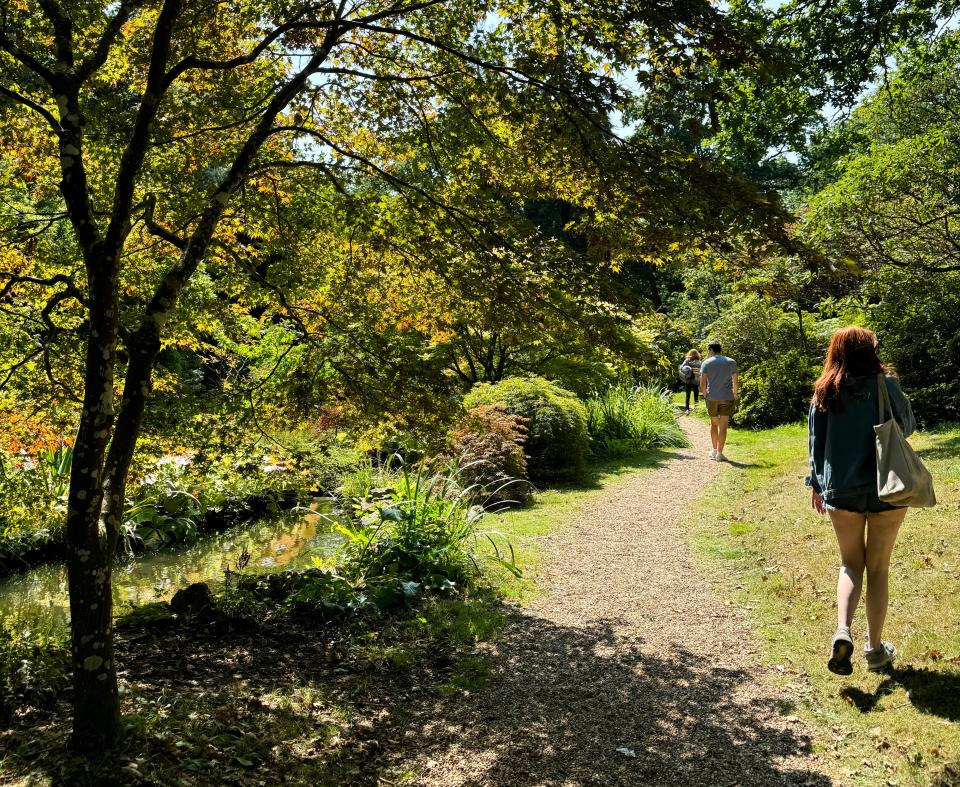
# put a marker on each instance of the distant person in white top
(720, 386)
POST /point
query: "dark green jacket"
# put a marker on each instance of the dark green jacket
(843, 458)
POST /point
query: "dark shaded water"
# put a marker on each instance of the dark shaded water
(38, 598)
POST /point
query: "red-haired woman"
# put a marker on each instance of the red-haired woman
(843, 476)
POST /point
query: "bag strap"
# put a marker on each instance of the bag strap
(883, 398)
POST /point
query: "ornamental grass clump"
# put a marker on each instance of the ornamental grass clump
(422, 536)
(623, 421)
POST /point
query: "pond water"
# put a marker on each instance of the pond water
(39, 597)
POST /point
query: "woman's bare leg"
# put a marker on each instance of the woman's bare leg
(849, 527)
(882, 529)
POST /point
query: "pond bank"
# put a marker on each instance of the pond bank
(271, 542)
(54, 549)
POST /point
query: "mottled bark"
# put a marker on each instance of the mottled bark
(98, 483)
(106, 437)
(89, 547)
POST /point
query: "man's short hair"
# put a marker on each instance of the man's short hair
(715, 348)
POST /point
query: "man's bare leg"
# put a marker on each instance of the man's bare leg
(723, 421)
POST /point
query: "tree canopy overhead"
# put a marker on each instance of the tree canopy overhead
(368, 207)
(814, 61)
(173, 170)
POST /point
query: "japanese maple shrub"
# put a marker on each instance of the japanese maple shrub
(488, 450)
(556, 421)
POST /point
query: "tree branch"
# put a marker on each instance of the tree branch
(278, 32)
(168, 290)
(189, 63)
(156, 229)
(26, 59)
(102, 50)
(380, 77)
(133, 156)
(12, 369)
(30, 104)
(13, 279)
(62, 31)
(298, 164)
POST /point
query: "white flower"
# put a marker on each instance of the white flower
(179, 461)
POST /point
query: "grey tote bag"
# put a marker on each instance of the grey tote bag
(902, 480)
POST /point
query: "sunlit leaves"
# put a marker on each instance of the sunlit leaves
(895, 200)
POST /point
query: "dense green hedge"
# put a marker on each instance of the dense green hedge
(776, 391)
(556, 421)
(915, 316)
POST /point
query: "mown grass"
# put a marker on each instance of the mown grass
(758, 536)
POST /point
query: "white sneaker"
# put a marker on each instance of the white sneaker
(720, 457)
(881, 657)
(713, 453)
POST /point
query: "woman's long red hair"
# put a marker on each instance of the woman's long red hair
(852, 354)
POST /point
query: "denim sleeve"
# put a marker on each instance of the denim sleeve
(902, 411)
(816, 443)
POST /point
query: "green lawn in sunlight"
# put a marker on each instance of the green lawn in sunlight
(760, 540)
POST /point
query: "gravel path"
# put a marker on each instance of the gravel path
(628, 671)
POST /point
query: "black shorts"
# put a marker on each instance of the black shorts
(866, 503)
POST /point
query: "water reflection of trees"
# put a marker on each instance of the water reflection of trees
(290, 541)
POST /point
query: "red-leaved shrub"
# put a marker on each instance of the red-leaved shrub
(488, 449)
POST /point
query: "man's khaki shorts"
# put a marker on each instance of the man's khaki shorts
(721, 407)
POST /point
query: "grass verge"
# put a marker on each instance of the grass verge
(757, 534)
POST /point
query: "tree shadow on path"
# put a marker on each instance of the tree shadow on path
(586, 706)
(559, 703)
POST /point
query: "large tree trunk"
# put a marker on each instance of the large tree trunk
(99, 479)
(89, 555)
(96, 702)
(144, 346)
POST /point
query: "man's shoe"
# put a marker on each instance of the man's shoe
(713, 453)
(720, 457)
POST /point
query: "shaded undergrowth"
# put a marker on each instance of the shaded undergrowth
(309, 704)
(292, 699)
